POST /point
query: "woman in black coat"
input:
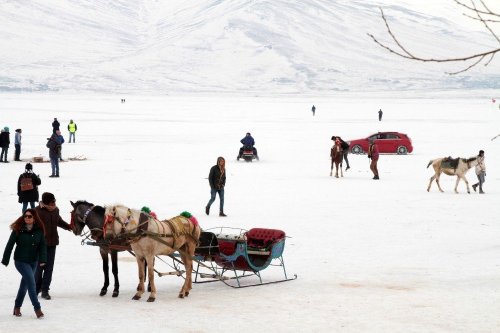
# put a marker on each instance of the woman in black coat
(27, 187)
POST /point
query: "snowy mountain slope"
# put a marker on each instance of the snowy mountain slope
(248, 46)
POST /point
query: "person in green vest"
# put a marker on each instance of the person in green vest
(28, 236)
(72, 130)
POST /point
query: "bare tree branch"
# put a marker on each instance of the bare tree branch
(477, 58)
(488, 11)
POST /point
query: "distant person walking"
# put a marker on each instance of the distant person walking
(54, 153)
(17, 145)
(217, 180)
(49, 214)
(27, 187)
(72, 130)
(313, 109)
(55, 126)
(31, 252)
(373, 154)
(380, 113)
(480, 172)
(4, 143)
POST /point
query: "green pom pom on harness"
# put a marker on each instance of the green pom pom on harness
(145, 209)
(186, 214)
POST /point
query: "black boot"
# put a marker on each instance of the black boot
(474, 187)
(222, 214)
(207, 210)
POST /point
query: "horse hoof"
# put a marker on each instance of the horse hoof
(181, 296)
(115, 293)
(151, 299)
(103, 292)
(187, 293)
(136, 298)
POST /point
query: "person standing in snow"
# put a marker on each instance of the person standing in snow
(27, 187)
(373, 154)
(49, 214)
(217, 181)
(72, 130)
(380, 113)
(4, 143)
(55, 126)
(54, 153)
(17, 145)
(60, 138)
(480, 172)
(313, 109)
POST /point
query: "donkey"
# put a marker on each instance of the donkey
(336, 154)
(452, 167)
(149, 237)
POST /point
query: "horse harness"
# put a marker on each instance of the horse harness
(141, 230)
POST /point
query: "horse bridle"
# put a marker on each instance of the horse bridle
(111, 218)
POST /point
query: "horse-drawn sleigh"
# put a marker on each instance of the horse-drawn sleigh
(216, 256)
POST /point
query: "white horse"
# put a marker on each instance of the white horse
(149, 237)
(451, 167)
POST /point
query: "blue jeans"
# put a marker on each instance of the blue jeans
(213, 192)
(70, 136)
(27, 271)
(44, 274)
(54, 163)
(25, 205)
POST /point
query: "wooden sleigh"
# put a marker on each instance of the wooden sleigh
(237, 257)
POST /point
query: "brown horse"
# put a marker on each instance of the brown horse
(149, 237)
(336, 154)
(451, 167)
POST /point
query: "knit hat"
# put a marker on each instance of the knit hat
(48, 198)
(6, 129)
(29, 166)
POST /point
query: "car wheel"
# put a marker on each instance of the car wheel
(357, 149)
(402, 150)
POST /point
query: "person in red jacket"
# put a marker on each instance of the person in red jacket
(49, 214)
(373, 154)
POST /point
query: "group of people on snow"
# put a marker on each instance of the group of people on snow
(56, 136)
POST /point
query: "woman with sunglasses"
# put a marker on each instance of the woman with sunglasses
(28, 234)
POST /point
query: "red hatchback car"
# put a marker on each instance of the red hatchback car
(387, 142)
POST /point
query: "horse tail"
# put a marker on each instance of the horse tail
(430, 162)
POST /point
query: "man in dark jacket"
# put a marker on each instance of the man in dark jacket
(27, 187)
(55, 126)
(54, 146)
(217, 180)
(49, 214)
(248, 141)
(4, 143)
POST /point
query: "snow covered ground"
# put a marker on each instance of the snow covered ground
(371, 256)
